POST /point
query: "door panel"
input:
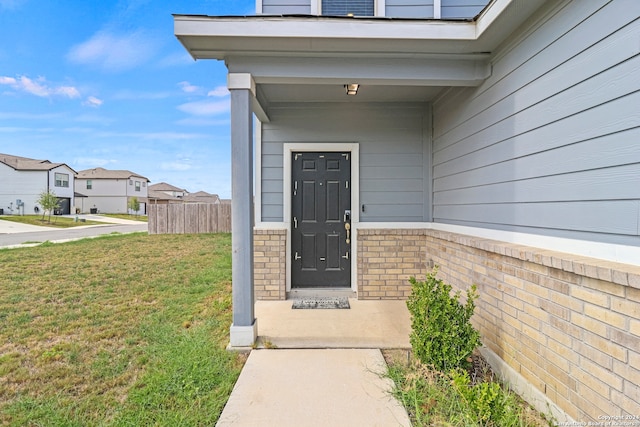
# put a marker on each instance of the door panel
(321, 201)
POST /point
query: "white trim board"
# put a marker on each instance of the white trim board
(624, 254)
(354, 149)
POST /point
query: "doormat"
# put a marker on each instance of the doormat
(323, 303)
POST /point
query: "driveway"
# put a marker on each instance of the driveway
(15, 234)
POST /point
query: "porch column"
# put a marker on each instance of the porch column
(244, 328)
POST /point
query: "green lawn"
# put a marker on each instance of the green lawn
(120, 331)
(54, 221)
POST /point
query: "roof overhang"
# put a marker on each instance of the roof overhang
(388, 55)
(218, 37)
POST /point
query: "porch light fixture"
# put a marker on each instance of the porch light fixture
(352, 88)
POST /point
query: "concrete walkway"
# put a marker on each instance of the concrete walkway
(13, 234)
(322, 368)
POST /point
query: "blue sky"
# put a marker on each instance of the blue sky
(106, 84)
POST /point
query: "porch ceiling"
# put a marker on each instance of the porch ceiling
(282, 93)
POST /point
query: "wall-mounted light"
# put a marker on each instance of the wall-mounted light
(352, 88)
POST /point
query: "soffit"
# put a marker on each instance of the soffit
(298, 93)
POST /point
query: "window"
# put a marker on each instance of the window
(62, 179)
(89, 184)
(348, 7)
(137, 185)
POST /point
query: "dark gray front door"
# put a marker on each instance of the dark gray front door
(321, 220)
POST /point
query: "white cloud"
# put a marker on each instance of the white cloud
(168, 136)
(200, 121)
(39, 88)
(220, 91)
(205, 108)
(175, 166)
(92, 162)
(129, 94)
(92, 101)
(114, 52)
(188, 87)
(29, 116)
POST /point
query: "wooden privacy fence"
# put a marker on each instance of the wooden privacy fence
(188, 218)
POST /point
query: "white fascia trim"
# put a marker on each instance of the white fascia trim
(354, 149)
(316, 7)
(257, 173)
(322, 28)
(489, 16)
(380, 8)
(259, 7)
(605, 251)
(437, 9)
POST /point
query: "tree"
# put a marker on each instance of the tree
(134, 204)
(49, 202)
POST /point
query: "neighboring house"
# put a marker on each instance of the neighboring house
(202, 197)
(161, 198)
(108, 191)
(168, 189)
(163, 193)
(22, 180)
(503, 147)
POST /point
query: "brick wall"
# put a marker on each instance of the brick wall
(269, 271)
(386, 260)
(569, 325)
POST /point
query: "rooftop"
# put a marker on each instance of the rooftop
(101, 173)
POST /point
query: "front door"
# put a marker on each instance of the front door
(321, 220)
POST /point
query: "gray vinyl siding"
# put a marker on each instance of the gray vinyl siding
(450, 9)
(409, 8)
(393, 143)
(286, 7)
(550, 143)
(456, 9)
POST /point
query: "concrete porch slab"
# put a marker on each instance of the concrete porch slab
(329, 387)
(367, 324)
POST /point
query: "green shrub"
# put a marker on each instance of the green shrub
(487, 402)
(442, 334)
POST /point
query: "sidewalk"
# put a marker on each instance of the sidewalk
(10, 227)
(13, 234)
(324, 367)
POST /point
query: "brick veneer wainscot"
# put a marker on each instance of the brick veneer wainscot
(569, 325)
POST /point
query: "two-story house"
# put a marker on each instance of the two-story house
(499, 140)
(22, 180)
(109, 191)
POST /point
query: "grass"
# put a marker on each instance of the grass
(119, 331)
(436, 399)
(141, 218)
(56, 221)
